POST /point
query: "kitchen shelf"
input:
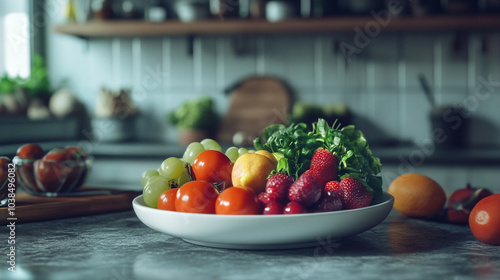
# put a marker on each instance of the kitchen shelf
(136, 28)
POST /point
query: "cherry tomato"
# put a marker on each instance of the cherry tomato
(214, 167)
(237, 201)
(484, 220)
(77, 152)
(30, 151)
(167, 200)
(196, 197)
(59, 155)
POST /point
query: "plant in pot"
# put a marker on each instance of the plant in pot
(195, 120)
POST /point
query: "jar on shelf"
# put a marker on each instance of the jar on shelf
(155, 11)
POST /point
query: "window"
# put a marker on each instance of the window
(15, 39)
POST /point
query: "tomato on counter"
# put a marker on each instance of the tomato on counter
(484, 220)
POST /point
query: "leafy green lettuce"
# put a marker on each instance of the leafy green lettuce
(295, 145)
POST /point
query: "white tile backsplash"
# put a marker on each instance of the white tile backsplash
(417, 57)
(231, 66)
(380, 84)
(416, 117)
(150, 74)
(205, 62)
(451, 57)
(382, 62)
(181, 63)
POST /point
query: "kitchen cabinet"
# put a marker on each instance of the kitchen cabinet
(136, 28)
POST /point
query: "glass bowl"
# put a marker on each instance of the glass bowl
(51, 178)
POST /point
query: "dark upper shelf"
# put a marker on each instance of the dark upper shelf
(119, 28)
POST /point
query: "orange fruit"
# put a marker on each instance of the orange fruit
(484, 220)
(250, 171)
(416, 195)
(268, 155)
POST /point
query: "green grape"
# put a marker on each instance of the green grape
(183, 179)
(157, 178)
(242, 151)
(192, 151)
(210, 144)
(146, 175)
(251, 151)
(232, 154)
(171, 168)
(153, 190)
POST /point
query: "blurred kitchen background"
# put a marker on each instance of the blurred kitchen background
(383, 72)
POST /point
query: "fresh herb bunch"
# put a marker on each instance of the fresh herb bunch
(295, 145)
(195, 114)
(38, 84)
(7, 84)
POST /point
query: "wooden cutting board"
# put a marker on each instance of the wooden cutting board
(34, 208)
(256, 102)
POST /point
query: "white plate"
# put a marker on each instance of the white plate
(264, 232)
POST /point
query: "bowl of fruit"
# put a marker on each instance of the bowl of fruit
(298, 188)
(59, 172)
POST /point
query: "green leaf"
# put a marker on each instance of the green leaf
(270, 130)
(297, 143)
(282, 165)
(258, 144)
(7, 85)
(322, 127)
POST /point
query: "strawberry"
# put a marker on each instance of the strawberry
(324, 166)
(333, 186)
(305, 190)
(294, 208)
(354, 194)
(277, 187)
(264, 198)
(273, 208)
(329, 201)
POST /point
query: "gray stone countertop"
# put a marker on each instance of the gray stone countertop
(118, 246)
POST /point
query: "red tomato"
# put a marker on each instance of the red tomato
(51, 175)
(196, 197)
(4, 167)
(167, 200)
(30, 151)
(77, 152)
(484, 220)
(4, 174)
(59, 155)
(237, 201)
(214, 167)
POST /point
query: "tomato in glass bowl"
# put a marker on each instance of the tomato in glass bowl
(51, 176)
(5, 167)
